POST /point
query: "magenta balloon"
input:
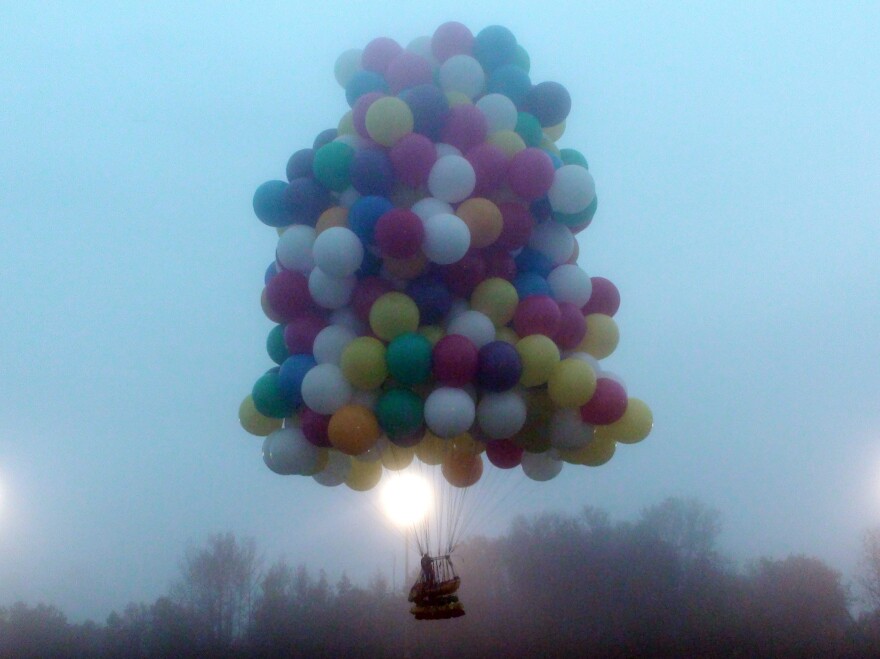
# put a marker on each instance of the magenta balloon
(367, 291)
(408, 70)
(537, 314)
(465, 127)
(605, 297)
(490, 166)
(517, 226)
(530, 173)
(454, 360)
(463, 276)
(572, 326)
(412, 158)
(300, 333)
(607, 405)
(359, 112)
(288, 295)
(499, 263)
(399, 233)
(504, 453)
(450, 39)
(379, 53)
(314, 426)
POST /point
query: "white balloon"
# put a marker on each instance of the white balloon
(501, 415)
(476, 326)
(462, 73)
(540, 466)
(585, 357)
(568, 283)
(452, 178)
(330, 292)
(325, 389)
(421, 46)
(336, 471)
(458, 307)
(444, 149)
(347, 64)
(429, 206)
(568, 431)
(348, 196)
(346, 317)
(294, 251)
(287, 451)
(356, 142)
(330, 342)
(554, 240)
(573, 189)
(338, 251)
(447, 238)
(449, 412)
(499, 110)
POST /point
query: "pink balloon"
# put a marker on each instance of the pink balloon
(605, 297)
(314, 426)
(517, 226)
(537, 314)
(367, 291)
(572, 326)
(490, 166)
(359, 112)
(300, 333)
(412, 158)
(399, 233)
(465, 127)
(379, 53)
(450, 39)
(408, 70)
(607, 405)
(454, 360)
(530, 173)
(288, 295)
(504, 453)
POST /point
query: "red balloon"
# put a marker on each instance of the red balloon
(367, 291)
(499, 263)
(572, 326)
(537, 314)
(455, 359)
(605, 298)
(504, 453)
(314, 427)
(607, 405)
(399, 233)
(463, 276)
(517, 226)
(490, 167)
(300, 333)
(288, 295)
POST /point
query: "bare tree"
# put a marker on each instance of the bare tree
(869, 568)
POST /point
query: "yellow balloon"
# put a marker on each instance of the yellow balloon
(466, 442)
(496, 298)
(432, 332)
(393, 314)
(572, 383)
(539, 355)
(635, 424)
(548, 145)
(602, 336)
(432, 449)
(335, 216)
(594, 454)
(320, 463)
(254, 422)
(363, 363)
(388, 119)
(555, 132)
(508, 141)
(364, 476)
(458, 98)
(507, 335)
(408, 268)
(396, 458)
(483, 219)
(534, 435)
(346, 124)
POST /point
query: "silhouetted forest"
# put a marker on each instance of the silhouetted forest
(552, 586)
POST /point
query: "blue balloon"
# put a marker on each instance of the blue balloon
(511, 81)
(364, 82)
(495, 46)
(530, 283)
(300, 164)
(371, 172)
(541, 209)
(363, 215)
(429, 108)
(371, 266)
(271, 271)
(531, 260)
(291, 374)
(272, 205)
(432, 297)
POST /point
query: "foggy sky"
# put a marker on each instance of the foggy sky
(735, 156)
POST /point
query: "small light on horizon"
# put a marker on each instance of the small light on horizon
(406, 499)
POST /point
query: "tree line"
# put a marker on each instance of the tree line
(554, 585)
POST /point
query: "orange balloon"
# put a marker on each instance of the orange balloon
(268, 310)
(483, 218)
(353, 429)
(462, 468)
(408, 268)
(335, 216)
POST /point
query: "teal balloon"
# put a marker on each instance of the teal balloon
(573, 157)
(332, 165)
(269, 398)
(409, 358)
(578, 219)
(400, 412)
(522, 59)
(275, 345)
(529, 128)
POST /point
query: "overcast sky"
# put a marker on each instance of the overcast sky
(735, 151)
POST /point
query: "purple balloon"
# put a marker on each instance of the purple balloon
(499, 366)
(412, 158)
(300, 164)
(372, 173)
(308, 199)
(359, 112)
(431, 296)
(550, 102)
(429, 106)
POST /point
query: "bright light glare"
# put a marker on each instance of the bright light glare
(406, 499)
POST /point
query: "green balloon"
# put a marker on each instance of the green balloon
(529, 128)
(332, 164)
(400, 412)
(275, 345)
(269, 399)
(573, 157)
(409, 358)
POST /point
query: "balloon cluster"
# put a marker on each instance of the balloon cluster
(426, 289)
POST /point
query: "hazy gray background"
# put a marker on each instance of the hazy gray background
(735, 150)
